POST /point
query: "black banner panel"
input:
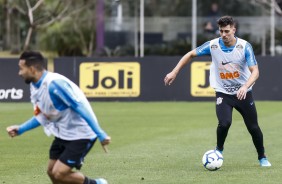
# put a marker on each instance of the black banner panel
(12, 86)
(141, 79)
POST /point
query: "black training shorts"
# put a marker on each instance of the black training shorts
(71, 153)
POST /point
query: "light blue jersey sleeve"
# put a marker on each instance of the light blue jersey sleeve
(63, 96)
(203, 49)
(249, 55)
(28, 125)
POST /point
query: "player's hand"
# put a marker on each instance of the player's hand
(13, 130)
(169, 78)
(242, 92)
(106, 142)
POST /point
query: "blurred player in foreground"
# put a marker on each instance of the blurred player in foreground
(63, 110)
(233, 72)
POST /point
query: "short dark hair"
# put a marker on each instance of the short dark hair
(33, 58)
(225, 21)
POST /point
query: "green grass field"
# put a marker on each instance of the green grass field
(152, 143)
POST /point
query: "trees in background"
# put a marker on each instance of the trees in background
(68, 26)
(64, 25)
(74, 33)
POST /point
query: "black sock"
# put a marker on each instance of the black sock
(261, 156)
(89, 181)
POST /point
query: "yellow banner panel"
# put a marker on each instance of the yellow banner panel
(200, 79)
(110, 79)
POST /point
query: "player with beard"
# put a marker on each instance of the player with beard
(64, 112)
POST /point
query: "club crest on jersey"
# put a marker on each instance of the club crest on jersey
(239, 46)
(213, 47)
(219, 100)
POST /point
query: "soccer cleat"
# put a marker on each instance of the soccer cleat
(220, 151)
(264, 162)
(101, 181)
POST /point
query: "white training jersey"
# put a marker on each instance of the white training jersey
(229, 69)
(57, 119)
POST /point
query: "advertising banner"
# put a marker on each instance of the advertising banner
(110, 79)
(200, 86)
(12, 86)
(141, 79)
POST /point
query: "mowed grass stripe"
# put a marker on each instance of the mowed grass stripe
(152, 142)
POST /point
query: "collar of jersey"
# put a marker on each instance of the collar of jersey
(38, 83)
(224, 48)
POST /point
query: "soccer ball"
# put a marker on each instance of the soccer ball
(212, 160)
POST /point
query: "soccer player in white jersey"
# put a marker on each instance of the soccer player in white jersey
(64, 112)
(233, 72)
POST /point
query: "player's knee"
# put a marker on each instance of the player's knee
(224, 125)
(49, 172)
(254, 130)
(57, 175)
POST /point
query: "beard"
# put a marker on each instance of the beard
(28, 80)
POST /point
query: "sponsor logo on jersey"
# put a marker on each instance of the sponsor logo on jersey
(225, 63)
(232, 87)
(229, 70)
(229, 75)
(239, 46)
(36, 110)
(213, 47)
